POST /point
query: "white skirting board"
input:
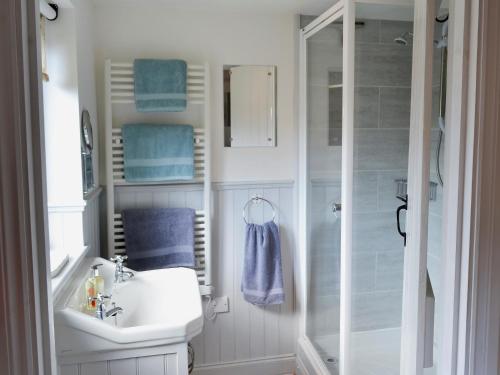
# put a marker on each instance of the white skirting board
(279, 365)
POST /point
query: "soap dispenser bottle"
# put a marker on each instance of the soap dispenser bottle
(93, 286)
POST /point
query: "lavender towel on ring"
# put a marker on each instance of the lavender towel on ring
(159, 238)
(262, 280)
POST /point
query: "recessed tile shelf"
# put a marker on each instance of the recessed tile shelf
(402, 188)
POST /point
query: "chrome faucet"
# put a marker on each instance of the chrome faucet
(100, 312)
(120, 274)
(115, 310)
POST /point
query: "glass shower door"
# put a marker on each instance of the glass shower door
(324, 167)
(365, 141)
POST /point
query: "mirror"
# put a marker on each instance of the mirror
(249, 106)
(86, 136)
(87, 146)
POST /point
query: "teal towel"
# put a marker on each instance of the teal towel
(158, 152)
(160, 85)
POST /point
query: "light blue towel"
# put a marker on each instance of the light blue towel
(159, 238)
(262, 280)
(157, 152)
(160, 85)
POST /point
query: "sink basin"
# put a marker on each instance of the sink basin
(160, 307)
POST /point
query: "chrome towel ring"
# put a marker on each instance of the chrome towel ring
(254, 200)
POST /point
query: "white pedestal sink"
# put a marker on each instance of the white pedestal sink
(161, 312)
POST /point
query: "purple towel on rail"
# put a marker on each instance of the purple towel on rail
(262, 280)
(159, 238)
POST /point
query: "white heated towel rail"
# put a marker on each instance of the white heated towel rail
(119, 90)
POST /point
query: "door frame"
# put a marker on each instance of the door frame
(24, 264)
(413, 325)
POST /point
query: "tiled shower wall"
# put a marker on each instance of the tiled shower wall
(381, 142)
(381, 138)
(382, 116)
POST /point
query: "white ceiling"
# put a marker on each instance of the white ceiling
(380, 9)
(311, 7)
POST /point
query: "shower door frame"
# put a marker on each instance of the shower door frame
(415, 264)
(332, 14)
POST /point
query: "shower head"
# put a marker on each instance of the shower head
(401, 40)
(404, 38)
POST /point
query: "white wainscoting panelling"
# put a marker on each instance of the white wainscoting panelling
(246, 332)
(91, 232)
(169, 360)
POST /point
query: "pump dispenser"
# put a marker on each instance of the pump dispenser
(93, 286)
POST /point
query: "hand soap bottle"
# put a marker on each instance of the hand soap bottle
(93, 286)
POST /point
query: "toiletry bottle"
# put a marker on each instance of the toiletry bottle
(93, 286)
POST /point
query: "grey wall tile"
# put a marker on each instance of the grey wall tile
(366, 107)
(369, 32)
(376, 232)
(389, 272)
(381, 149)
(365, 192)
(395, 107)
(376, 310)
(382, 65)
(392, 29)
(324, 313)
(335, 116)
(325, 237)
(434, 235)
(363, 272)
(325, 273)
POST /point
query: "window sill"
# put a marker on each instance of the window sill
(65, 274)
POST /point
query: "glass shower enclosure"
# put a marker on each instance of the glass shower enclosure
(368, 135)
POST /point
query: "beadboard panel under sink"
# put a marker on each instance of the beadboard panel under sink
(91, 227)
(246, 333)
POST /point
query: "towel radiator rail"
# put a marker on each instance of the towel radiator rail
(119, 91)
(121, 77)
(118, 166)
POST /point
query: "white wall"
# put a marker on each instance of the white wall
(61, 112)
(62, 135)
(84, 12)
(70, 89)
(86, 70)
(122, 33)
(126, 32)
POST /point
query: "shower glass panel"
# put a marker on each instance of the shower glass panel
(382, 91)
(324, 149)
(435, 261)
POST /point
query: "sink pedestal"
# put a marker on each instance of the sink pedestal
(161, 313)
(161, 360)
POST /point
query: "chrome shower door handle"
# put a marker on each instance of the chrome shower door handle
(398, 213)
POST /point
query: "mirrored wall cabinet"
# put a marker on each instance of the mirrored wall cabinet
(249, 106)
